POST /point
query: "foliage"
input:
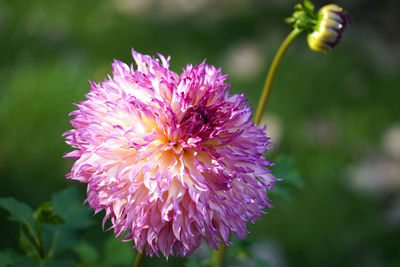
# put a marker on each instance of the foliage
(51, 235)
(47, 232)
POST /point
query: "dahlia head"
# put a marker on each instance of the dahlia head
(173, 160)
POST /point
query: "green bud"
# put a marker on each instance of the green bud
(44, 214)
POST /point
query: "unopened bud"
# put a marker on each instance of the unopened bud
(331, 22)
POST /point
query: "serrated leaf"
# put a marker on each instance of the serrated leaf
(27, 245)
(44, 214)
(21, 213)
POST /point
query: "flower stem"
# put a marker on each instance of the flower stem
(271, 73)
(139, 257)
(218, 256)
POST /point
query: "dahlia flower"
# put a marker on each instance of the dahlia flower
(173, 160)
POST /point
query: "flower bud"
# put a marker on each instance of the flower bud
(328, 30)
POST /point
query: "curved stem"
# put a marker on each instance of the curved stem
(139, 257)
(271, 73)
(219, 255)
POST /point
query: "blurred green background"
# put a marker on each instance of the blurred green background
(335, 114)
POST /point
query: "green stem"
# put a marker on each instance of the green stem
(40, 236)
(271, 73)
(139, 257)
(53, 244)
(218, 257)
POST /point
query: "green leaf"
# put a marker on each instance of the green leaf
(86, 252)
(77, 217)
(24, 261)
(191, 262)
(298, 7)
(21, 213)
(304, 17)
(51, 235)
(287, 170)
(67, 204)
(27, 245)
(44, 214)
(117, 252)
(8, 256)
(308, 6)
(283, 191)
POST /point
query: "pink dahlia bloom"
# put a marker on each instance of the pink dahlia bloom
(173, 160)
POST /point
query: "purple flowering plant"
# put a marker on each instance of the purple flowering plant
(173, 159)
(169, 156)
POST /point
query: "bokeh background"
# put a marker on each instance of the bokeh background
(336, 115)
